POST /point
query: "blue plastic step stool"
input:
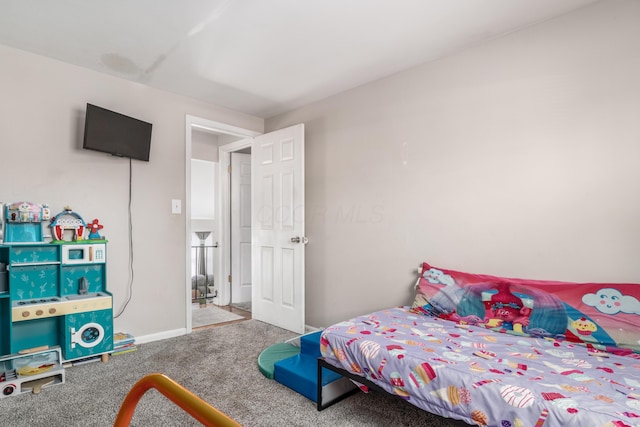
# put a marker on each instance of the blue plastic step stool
(300, 372)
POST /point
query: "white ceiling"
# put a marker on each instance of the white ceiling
(261, 57)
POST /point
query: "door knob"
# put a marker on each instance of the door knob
(296, 239)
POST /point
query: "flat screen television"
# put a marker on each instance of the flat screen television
(116, 134)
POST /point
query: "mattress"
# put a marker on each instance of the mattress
(484, 377)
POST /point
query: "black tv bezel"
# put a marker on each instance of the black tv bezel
(142, 155)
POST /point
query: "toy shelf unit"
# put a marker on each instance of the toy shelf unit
(57, 297)
(30, 372)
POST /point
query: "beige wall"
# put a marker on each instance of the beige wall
(42, 105)
(521, 159)
(204, 146)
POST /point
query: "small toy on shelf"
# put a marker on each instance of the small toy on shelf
(68, 220)
(94, 229)
(23, 221)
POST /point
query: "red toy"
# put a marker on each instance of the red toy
(94, 229)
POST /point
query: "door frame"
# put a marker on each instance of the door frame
(199, 123)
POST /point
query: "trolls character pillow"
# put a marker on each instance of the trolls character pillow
(604, 316)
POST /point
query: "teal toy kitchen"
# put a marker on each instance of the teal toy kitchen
(53, 284)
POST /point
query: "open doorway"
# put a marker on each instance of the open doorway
(203, 218)
(210, 237)
(240, 198)
(278, 225)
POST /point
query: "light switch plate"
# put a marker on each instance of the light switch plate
(176, 206)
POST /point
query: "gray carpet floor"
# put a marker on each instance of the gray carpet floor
(218, 364)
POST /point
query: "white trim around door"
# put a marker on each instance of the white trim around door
(198, 123)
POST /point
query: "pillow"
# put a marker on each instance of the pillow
(604, 316)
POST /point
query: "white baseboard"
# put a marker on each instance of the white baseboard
(161, 336)
(183, 331)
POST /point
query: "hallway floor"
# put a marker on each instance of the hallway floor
(246, 315)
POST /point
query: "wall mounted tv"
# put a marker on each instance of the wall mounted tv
(116, 134)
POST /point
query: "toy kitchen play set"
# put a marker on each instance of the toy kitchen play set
(53, 293)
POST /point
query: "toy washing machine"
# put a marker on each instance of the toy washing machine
(87, 334)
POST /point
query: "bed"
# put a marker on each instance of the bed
(494, 351)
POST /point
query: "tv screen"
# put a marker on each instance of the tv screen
(116, 134)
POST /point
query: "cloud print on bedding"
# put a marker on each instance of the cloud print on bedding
(611, 301)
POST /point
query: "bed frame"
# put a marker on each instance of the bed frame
(362, 380)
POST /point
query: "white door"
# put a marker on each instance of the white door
(278, 240)
(240, 227)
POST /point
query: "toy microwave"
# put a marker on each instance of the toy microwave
(93, 253)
